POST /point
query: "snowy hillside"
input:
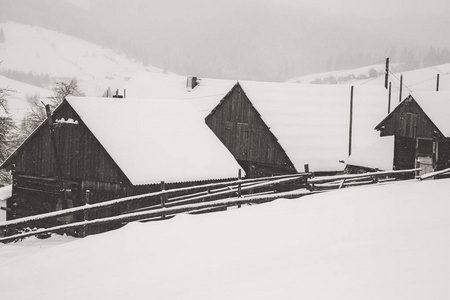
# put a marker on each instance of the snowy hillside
(376, 242)
(413, 81)
(21, 96)
(62, 57)
(342, 76)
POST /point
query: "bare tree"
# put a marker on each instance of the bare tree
(7, 138)
(62, 89)
(37, 113)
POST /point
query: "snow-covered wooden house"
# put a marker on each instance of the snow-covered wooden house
(114, 148)
(421, 129)
(274, 128)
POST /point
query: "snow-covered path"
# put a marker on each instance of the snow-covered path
(386, 241)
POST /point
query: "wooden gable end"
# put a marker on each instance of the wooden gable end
(241, 129)
(80, 154)
(408, 120)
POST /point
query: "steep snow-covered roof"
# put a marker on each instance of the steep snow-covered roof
(154, 140)
(311, 122)
(437, 107)
(205, 96)
(378, 155)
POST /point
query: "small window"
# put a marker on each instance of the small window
(425, 147)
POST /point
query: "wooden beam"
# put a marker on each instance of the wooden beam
(386, 74)
(351, 123)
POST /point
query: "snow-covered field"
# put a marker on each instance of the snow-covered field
(386, 241)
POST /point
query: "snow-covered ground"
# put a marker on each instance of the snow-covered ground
(386, 241)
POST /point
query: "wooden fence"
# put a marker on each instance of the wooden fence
(215, 196)
(340, 181)
(205, 200)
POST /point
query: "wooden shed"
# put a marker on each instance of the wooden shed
(421, 129)
(113, 148)
(275, 128)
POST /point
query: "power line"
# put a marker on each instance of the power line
(400, 81)
(368, 80)
(434, 77)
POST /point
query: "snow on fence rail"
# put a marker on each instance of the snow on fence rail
(197, 201)
(110, 203)
(340, 180)
(222, 189)
(434, 174)
(138, 216)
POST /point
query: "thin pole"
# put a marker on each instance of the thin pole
(389, 97)
(386, 75)
(351, 123)
(437, 83)
(401, 88)
(240, 184)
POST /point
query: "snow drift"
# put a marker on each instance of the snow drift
(376, 242)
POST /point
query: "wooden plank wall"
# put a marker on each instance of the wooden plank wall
(34, 195)
(241, 129)
(80, 153)
(443, 161)
(404, 153)
(395, 124)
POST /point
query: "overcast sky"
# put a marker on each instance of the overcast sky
(372, 8)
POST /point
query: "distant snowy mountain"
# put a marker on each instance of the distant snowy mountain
(39, 51)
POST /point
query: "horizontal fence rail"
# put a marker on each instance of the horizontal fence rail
(136, 216)
(199, 199)
(323, 179)
(434, 174)
(220, 189)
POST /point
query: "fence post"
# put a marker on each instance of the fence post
(418, 167)
(239, 185)
(375, 178)
(306, 168)
(163, 198)
(86, 213)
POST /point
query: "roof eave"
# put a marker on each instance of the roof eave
(6, 164)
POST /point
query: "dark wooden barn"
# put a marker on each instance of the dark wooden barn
(113, 148)
(239, 126)
(421, 128)
(278, 128)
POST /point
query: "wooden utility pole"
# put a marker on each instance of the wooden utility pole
(437, 83)
(386, 75)
(351, 123)
(389, 97)
(401, 88)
